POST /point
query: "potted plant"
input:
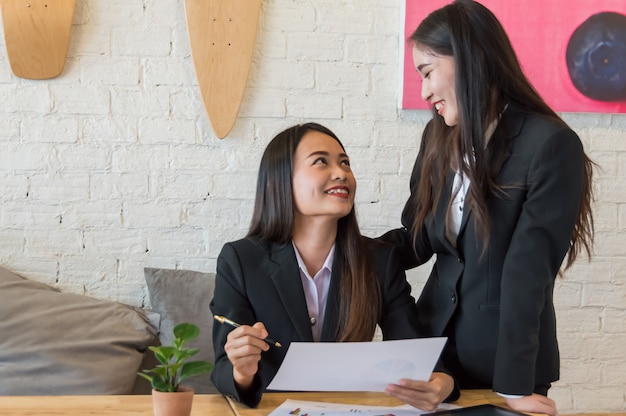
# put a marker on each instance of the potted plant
(169, 398)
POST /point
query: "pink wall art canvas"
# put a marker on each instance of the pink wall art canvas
(573, 51)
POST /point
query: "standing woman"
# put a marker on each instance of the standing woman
(305, 273)
(501, 194)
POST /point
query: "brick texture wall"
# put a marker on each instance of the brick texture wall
(113, 165)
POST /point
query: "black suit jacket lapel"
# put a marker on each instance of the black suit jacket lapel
(331, 314)
(508, 127)
(286, 278)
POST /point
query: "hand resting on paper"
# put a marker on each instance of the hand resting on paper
(425, 395)
(243, 348)
(535, 403)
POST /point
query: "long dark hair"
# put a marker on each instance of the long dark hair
(273, 220)
(488, 76)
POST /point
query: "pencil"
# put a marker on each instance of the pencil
(224, 320)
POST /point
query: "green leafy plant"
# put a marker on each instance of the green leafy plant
(175, 367)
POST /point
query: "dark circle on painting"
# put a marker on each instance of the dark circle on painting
(596, 57)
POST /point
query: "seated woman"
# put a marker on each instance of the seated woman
(305, 273)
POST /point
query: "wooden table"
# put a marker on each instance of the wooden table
(208, 404)
(203, 405)
(271, 401)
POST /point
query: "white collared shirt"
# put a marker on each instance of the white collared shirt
(316, 290)
(455, 215)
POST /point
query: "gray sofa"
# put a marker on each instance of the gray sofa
(56, 343)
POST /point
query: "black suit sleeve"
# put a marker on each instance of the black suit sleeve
(230, 300)
(399, 313)
(538, 245)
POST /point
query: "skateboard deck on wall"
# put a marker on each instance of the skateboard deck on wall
(37, 35)
(222, 34)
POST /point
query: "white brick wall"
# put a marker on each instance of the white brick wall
(113, 165)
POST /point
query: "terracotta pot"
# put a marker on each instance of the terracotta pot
(172, 404)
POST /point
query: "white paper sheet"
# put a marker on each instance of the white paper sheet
(300, 407)
(356, 366)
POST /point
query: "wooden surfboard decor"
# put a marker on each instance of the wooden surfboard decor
(37, 35)
(222, 34)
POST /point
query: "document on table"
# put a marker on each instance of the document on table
(356, 366)
(301, 407)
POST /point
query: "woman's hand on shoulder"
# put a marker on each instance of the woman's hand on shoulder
(243, 348)
(425, 395)
(535, 403)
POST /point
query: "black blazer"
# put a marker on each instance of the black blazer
(257, 280)
(497, 307)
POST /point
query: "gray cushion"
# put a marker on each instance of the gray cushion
(184, 296)
(55, 343)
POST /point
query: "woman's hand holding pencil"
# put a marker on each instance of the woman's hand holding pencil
(243, 347)
(224, 320)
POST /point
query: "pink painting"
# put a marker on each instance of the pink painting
(541, 31)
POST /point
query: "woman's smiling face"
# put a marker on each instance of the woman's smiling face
(438, 86)
(323, 182)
